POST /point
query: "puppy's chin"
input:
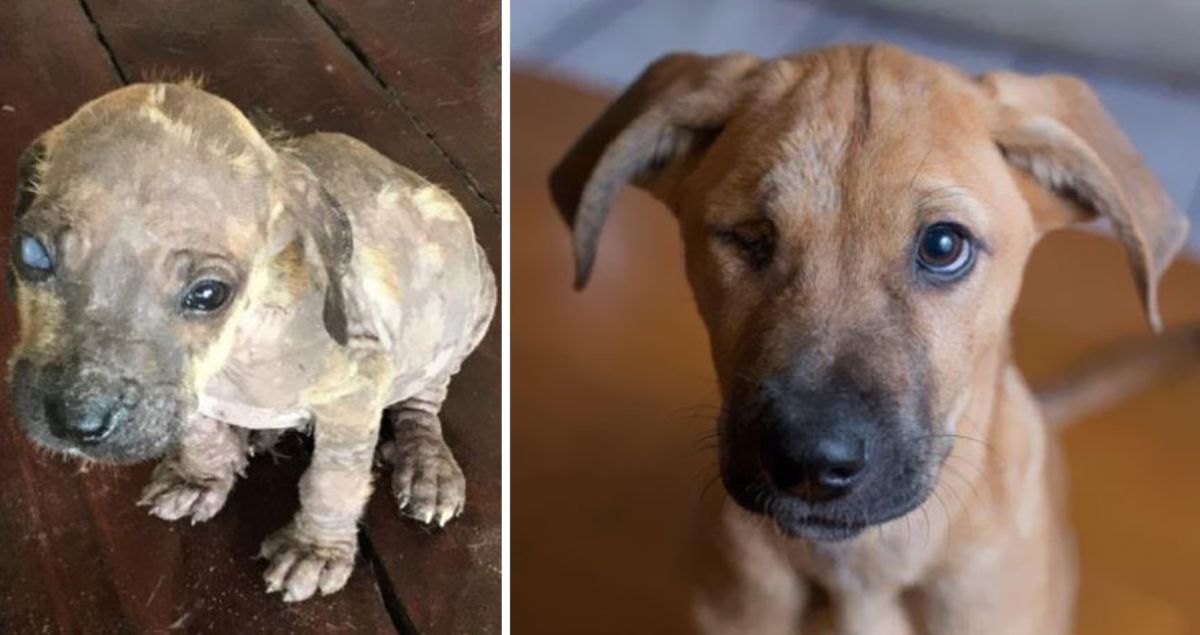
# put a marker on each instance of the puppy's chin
(797, 519)
(834, 521)
(122, 453)
(122, 447)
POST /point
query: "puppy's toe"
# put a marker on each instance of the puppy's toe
(171, 495)
(300, 566)
(427, 481)
(334, 576)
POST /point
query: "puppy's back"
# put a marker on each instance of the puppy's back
(415, 256)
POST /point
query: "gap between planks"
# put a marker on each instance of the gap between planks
(343, 35)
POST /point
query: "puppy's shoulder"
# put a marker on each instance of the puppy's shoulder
(339, 159)
(363, 177)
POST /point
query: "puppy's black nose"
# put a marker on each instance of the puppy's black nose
(86, 421)
(816, 467)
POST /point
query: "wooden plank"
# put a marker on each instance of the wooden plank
(442, 60)
(446, 579)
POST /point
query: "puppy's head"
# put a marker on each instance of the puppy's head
(144, 227)
(856, 224)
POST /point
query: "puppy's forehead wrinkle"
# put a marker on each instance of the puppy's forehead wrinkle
(861, 128)
(828, 140)
(818, 130)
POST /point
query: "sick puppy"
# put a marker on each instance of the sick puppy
(181, 281)
(856, 224)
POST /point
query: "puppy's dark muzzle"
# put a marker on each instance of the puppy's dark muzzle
(89, 420)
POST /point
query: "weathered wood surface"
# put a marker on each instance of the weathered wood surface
(75, 554)
(443, 60)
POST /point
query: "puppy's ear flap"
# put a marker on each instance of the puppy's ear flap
(313, 216)
(28, 170)
(1054, 128)
(647, 137)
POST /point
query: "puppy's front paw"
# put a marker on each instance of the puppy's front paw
(172, 494)
(301, 565)
(428, 484)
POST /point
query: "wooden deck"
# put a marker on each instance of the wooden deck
(420, 82)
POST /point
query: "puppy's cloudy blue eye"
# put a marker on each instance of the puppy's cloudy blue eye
(945, 250)
(206, 296)
(33, 255)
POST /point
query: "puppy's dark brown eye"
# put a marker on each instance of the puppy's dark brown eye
(754, 240)
(945, 251)
(206, 296)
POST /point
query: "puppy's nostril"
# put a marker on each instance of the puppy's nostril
(85, 423)
(843, 473)
(91, 423)
(818, 470)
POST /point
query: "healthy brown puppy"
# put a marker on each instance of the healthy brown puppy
(856, 224)
(181, 280)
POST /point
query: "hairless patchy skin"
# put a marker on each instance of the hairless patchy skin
(856, 224)
(182, 280)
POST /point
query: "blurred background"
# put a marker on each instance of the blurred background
(1141, 56)
(612, 389)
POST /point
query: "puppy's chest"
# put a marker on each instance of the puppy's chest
(274, 361)
(894, 557)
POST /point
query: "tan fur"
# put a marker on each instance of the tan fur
(847, 151)
(40, 315)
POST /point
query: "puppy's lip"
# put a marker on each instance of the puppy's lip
(799, 519)
(823, 529)
(815, 526)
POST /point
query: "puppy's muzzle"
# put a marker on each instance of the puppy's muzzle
(95, 410)
(825, 459)
(816, 454)
(88, 420)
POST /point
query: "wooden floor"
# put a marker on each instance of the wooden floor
(612, 389)
(418, 80)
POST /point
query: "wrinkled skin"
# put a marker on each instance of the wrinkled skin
(851, 375)
(351, 286)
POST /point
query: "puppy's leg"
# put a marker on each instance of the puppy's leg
(872, 613)
(427, 481)
(196, 478)
(316, 550)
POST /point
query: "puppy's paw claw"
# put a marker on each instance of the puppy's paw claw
(426, 480)
(301, 566)
(172, 496)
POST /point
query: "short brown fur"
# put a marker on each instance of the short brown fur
(842, 156)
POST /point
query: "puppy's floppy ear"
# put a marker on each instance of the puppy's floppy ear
(646, 137)
(28, 169)
(1054, 128)
(312, 215)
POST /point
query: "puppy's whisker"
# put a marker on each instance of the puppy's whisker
(950, 471)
